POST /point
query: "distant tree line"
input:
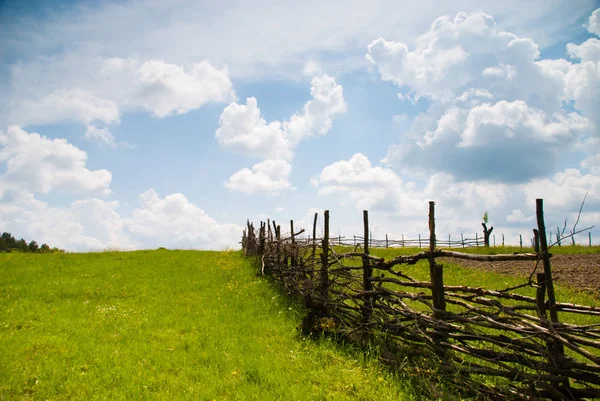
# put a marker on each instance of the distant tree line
(8, 243)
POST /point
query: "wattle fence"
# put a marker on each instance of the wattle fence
(471, 332)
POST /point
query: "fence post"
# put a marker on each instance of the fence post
(494, 236)
(278, 239)
(435, 271)
(449, 245)
(314, 244)
(419, 240)
(556, 349)
(269, 234)
(539, 209)
(520, 240)
(590, 237)
(536, 240)
(502, 239)
(367, 271)
(325, 264)
(540, 296)
(476, 240)
(402, 240)
(386, 241)
(294, 260)
(462, 240)
(261, 237)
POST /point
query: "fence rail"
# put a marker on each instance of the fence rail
(470, 331)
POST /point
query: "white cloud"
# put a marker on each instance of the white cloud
(115, 86)
(583, 86)
(36, 163)
(469, 51)
(244, 130)
(94, 224)
(269, 176)
(260, 38)
(166, 89)
(316, 118)
(173, 221)
(587, 51)
(490, 99)
(90, 224)
(476, 142)
(100, 134)
(359, 182)
(70, 105)
(594, 22)
(517, 216)
(592, 164)
(565, 190)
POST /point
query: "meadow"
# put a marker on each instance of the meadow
(170, 325)
(188, 325)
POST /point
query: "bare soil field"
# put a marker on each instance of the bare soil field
(580, 272)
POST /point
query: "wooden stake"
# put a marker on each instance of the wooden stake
(294, 260)
(367, 271)
(539, 211)
(435, 271)
(325, 263)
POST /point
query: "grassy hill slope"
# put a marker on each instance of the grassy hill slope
(164, 325)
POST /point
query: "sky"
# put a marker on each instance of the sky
(139, 124)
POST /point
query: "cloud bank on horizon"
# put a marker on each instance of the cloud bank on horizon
(110, 141)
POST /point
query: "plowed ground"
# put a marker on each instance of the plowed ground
(580, 272)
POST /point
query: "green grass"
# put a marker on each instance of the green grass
(166, 325)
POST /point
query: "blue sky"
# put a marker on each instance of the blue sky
(138, 124)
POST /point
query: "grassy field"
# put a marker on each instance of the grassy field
(165, 325)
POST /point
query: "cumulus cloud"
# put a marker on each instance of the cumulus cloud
(587, 51)
(565, 189)
(174, 221)
(468, 51)
(35, 163)
(364, 184)
(90, 224)
(93, 224)
(165, 89)
(244, 130)
(475, 142)
(517, 216)
(593, 25)
(118, 85)
(269, 176)
(490, 99)
(65, 105)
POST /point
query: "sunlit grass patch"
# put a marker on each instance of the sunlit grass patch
(165, 325)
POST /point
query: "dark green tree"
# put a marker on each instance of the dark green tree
(21, 245)
(33, 246)
(9, 240)
(45, 248)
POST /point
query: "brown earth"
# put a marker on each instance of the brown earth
(580, 272)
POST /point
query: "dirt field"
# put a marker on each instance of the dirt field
(581, 272)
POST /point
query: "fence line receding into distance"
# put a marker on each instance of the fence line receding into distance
(471, 331)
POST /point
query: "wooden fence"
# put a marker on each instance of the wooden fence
(471, 332)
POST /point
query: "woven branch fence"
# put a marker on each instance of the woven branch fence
(517, 341)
